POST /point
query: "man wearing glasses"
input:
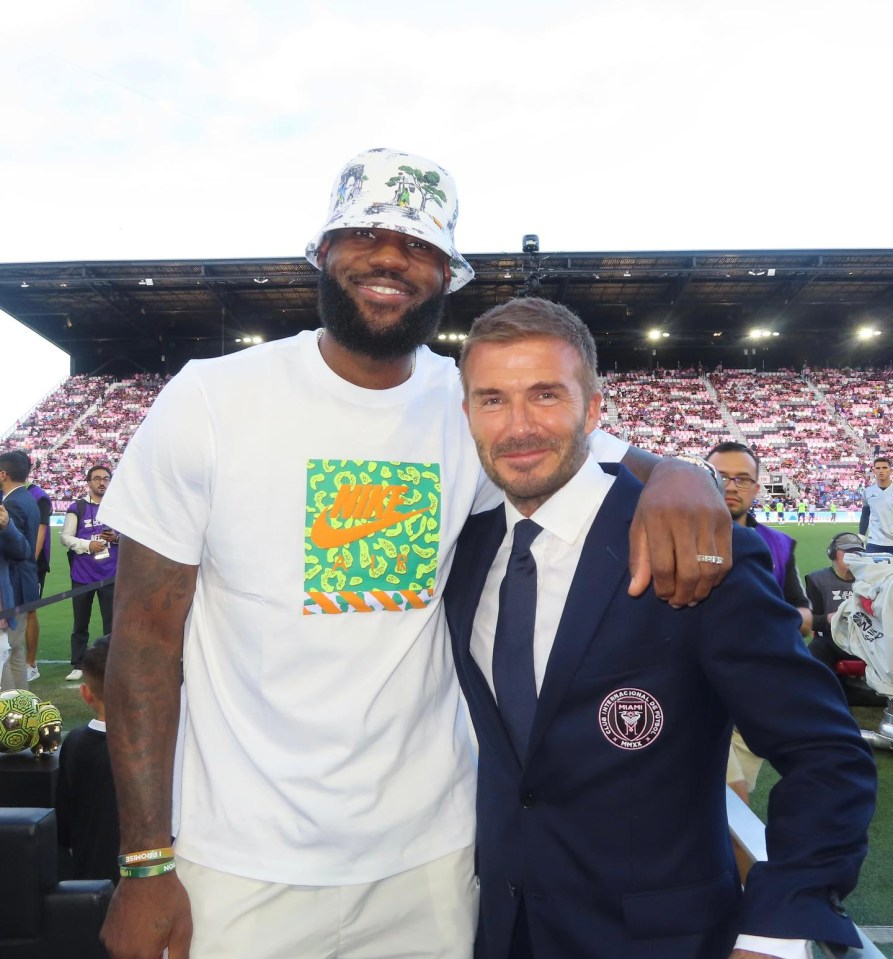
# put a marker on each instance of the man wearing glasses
(93, 553)
(739, 466)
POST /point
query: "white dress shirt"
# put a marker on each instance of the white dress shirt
(566, 518)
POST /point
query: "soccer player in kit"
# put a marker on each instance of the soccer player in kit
(326, 791)
(876, 521)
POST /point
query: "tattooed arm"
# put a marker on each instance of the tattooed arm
(142, 695)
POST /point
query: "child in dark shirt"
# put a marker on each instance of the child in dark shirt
(86, 809)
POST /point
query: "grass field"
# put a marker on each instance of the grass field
(870, 905)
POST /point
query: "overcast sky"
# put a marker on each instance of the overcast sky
(192, 128)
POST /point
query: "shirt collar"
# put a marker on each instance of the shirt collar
(568, 512)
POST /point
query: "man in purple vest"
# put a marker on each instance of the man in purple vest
(93, 551)
(739, 466)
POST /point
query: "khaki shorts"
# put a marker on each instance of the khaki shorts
(744, 766)
(429, 912)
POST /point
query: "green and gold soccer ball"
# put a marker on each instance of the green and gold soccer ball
(26, 721)
(18, 720)
(49, 730)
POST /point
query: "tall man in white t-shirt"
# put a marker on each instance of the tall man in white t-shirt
(876, 521)
(325, 800)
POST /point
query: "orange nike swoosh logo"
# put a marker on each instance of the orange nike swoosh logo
(324, 536)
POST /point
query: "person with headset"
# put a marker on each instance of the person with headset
(826, 589)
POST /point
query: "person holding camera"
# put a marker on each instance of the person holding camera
(93, 555)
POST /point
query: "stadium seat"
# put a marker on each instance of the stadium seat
(40, 917)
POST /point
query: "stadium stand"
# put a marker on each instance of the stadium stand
(818, 429)
(87, 420)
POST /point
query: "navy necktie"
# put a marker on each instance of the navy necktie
(513, 675)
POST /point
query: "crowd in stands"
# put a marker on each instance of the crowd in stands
(794, 429)
(87, 420)
(671, 412)
(818, 429)
(864, 401)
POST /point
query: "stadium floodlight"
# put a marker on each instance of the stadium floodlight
(760, 334)
(530, 243)
(867, 332)
(257, 339)
(654, 334)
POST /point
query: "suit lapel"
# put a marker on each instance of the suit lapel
(603, 565)
(476, 555)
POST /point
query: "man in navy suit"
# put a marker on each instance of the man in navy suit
(13, 547)
(603, 736)
(14, 468)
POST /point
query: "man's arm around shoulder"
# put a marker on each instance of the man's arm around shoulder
(681, 515)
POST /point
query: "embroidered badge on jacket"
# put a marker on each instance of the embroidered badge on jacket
(630, 718)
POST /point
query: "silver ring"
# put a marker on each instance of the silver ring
(716, 560)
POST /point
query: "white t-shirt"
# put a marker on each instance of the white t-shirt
(323, 742)
(880, 519)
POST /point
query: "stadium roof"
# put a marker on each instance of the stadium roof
(154, 315)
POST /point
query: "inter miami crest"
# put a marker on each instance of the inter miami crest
(630, 718)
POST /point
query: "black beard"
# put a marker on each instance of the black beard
(343, 319)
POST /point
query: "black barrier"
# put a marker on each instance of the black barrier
(38, 603)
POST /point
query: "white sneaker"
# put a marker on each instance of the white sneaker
(75, 675)
(33, 673)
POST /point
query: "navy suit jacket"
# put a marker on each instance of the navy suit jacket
(613, 827)
(23, 573)
(13, 548)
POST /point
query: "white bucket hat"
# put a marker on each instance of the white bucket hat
(390, 190)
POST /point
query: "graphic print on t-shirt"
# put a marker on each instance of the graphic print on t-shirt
(372, 534)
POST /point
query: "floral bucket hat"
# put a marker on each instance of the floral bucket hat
(390, 190)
